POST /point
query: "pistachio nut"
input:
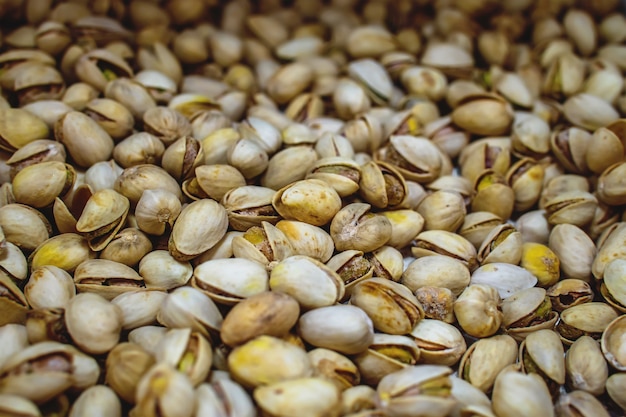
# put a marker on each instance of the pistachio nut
(401, 309)
(585, 366)
(266, 359)
(268, 313)
(355, 227)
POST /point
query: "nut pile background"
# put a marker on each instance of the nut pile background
(312, 208)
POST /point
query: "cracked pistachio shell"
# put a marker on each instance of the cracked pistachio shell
(527, 310)
(588, 319)
(569, 292)
(217, 179)
(344, 328)
(503, 244)
(128, 247)
(416, 158)
(166, 124)
(469, 399)
(132, 95)
(24, 226)
(355, 227)
(526, 179)
(307, 240)
(580, 403)
(589, 112)
(478, 310)
(477, 225)
(311, 201)
(189, 307)
(442, 210)
(266, 244)
(40, 150)
(249, 206)
(97, 401)
(93, 323)
(132, 182)
(100, 66)
(335, 367)
(387, 354)
(341, 173)
(49, 287)
(112, 116)
(290, 165)
(391, 306)
(572, 207)
(350, 99)
(228, 281)
(159, 269)
(13, 303)
(611, 248)
(387, 263)
(126, 363)
(484, 359)
(382, 185)
(189, 237)
(106, 278)
(585, 366)
(420, 389)
(484, 114)
(305, 397)
(39, 184)
(441, 242)
(182, 157)
(405, 225)
(268, 313)
(612, 288)
(86, 142)
(494, 194)
(164, 392)
(289, 81)
(309, 281)
(58, 367)
(139, 307)
(436, 270)
(610, 188)
(353, 267)
(542, 352)
(518, 395)
(266, 360)
(188, 352)
(103, 216)
(507, 279)
(373, 77)
(138, 148)
(605, 149)
(223, 397)
(484, 154)
(156, 210)
(16, 405)
(575, 250)
(612, 343)
(19, 127)
(65, 251)
(425, 82)
(440, 343)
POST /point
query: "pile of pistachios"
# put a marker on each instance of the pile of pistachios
(312, 208)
